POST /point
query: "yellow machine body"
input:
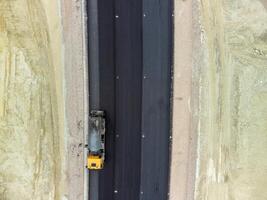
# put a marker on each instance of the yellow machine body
(95, 162)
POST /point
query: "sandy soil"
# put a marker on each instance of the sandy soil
(232, 162)
(31, 129)
(182, 168)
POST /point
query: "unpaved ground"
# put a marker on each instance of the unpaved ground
(228, 97)
(182, 169)
(232, 162)
(30, 90)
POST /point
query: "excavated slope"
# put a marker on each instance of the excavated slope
(30, 100)
(232, 161)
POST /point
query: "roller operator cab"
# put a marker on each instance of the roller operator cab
(95, 162)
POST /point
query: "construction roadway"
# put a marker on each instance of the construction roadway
(134, 61)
